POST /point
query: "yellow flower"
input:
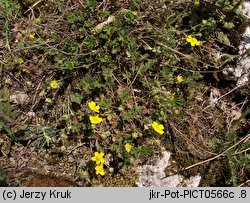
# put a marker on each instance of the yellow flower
(20, 60)
(172, 97)
(95, 119)
(128, 147)
(32, 36)
(98, 158)
(92, 105)
(179, 78)
(99, 170)
(48, 100)
(176, 111)
(54, 84)
(84, 173)
(196, 2)
(38, 20)
(204, 22)
(135, 135)
(193, 41)
(158, 127)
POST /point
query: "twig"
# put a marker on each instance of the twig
(184, 55)
(70, 54)
(245, 100)
(81, 3)
(230, 91)
(173, 50)
(7, 40)
(242, 151)
(74, 148)
(237, 87)
(136, 75)
(36, 91)
(34, 5)
(196, 71)
(219, 155)
(76, 67)
(244, 183)
(174, 128)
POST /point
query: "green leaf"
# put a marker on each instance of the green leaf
(4, 94)
(89, 83)
(247, 156)
(72, 18)
(197, 75)
(229, 25)
(90, 42)
(2, 125)
(77, 98)
(6, 108)
(75, 127)
(223, 38)
(69, 65)
(91, 4)
(103, 58)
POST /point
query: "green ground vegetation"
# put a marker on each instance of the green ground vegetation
(144, 64)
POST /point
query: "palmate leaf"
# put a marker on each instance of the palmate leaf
(6, 128)
(77, 98)
(4, 94)
(244, 161)
(223, 38)
(5, 108)
(89, 83)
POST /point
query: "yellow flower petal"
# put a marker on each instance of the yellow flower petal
(38, 20)
(84, 173)
(92, 105)
(32, 36)
(20, 60)
(179, 78)
(128, 147)
(135, 135)
(48, 100)
(54, 84)
(172, 97)
(95, 119)
(196, 2)
(98, 158)
(159, 128)
(99, 170)
(193, 41)
(176, 111)
(204, 22)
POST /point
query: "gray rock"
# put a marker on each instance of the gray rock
(152, 175)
